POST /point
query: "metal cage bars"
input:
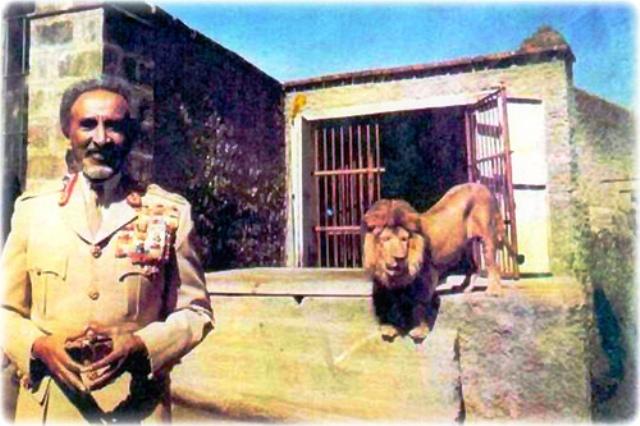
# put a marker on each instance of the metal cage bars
(489, 163)
(347, 178)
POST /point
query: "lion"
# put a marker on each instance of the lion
(405, 252)
(393, 255)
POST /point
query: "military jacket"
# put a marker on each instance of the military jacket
(139, 273)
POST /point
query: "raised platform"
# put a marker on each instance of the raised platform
(302, 344)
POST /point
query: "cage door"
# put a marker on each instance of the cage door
(347, 182)
(489, 163)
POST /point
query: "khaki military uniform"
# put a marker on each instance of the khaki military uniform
(139, 273)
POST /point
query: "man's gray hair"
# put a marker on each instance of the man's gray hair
(105, 82)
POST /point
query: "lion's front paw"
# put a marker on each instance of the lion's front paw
(419, 333)
(388, 332)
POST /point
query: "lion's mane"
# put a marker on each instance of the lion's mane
(391, 214)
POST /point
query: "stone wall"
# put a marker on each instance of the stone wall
(546, 80)
(64, 49)
(605, 250)
(605, 142)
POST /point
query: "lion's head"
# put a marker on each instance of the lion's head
(393, 251)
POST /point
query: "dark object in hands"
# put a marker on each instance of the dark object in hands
(89, 347)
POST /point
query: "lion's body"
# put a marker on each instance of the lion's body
(405, 252)
(465, 213)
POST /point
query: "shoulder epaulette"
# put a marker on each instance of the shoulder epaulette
(69, 184)
(48, 188)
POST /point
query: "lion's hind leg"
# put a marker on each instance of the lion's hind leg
(482, 227)
(471, 266)
(494, 287)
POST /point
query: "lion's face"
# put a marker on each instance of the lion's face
(393, 250)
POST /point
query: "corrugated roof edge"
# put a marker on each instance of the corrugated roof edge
(398, 72)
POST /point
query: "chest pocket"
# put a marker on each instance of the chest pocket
(48, 274)
(142, 292)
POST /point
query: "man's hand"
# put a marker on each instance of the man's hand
(51, 351)
(127, 349)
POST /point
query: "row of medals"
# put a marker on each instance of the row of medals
(148, 240)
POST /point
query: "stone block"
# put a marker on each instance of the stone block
(39, 102)
(40, 65)
(90, 31)
(524, 356)
(38, 135)
(54, 33)
(46, 167)
(82, 64)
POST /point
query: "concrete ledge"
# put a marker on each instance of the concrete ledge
(290, 282)
(318, 355)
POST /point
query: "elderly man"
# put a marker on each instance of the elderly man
(103, 291)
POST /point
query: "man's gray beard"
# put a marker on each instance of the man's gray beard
(98, 172)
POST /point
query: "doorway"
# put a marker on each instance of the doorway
(416, 155)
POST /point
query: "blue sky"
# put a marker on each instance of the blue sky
(298, 40)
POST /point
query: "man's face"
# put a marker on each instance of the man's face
(98, 133)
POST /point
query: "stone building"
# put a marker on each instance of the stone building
(279, 174)
(539, 113)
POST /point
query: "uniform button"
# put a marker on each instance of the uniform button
(94, 294)
(96, 251)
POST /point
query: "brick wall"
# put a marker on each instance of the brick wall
(548, 81)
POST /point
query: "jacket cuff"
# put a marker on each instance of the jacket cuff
(167, 341)
(30, 370)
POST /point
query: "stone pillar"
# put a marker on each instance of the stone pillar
(65, 48)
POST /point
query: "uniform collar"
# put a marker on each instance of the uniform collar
(110, 189)
(116, 211)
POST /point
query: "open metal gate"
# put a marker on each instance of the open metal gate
(347, 178)
(489, 163)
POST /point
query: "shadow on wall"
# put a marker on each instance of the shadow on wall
(612, 343)
(605, 260)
